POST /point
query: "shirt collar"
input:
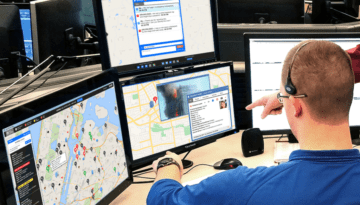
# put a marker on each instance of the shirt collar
(325, 155)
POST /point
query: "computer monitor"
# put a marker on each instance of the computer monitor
(261, 11)
(177, 111)
(49, 20)
(11, 40)
(136, 36)
(25, 18)
(65, 147)
(333, 12)
(264, 66)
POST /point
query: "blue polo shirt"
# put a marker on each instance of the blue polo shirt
(310, 177)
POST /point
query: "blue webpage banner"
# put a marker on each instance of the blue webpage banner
(208, 92)
(18, 137)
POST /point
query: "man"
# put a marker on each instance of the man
(223, 105)
(271, 103)
(325, 171)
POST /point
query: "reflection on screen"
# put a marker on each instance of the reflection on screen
(266, 66)
(70, 154)
(174, 111)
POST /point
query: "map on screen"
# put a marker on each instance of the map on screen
(158, 113)
(77, 148)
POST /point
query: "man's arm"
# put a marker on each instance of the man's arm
(171, 171)
(271, 105)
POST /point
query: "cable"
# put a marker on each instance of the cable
(196, 166)
(42, 82)
(143, 182)
(280, 137)
(270, 137)
(27, 58)
(144, 177)
(144, 170)
(143, 173)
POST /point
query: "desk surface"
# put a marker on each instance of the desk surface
(228, 147)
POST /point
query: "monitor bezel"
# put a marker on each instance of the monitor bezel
(274, 35)
(28, 109)
(19, 5)
(104, 49)
(275, 7)
(145, 161)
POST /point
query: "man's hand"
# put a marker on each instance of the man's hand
(271, 105)
(168, 171)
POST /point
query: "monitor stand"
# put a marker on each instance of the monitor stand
(355, 137)
(187, 163)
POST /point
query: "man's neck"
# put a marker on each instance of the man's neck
(317, 136)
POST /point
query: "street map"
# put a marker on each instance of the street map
(79, 151)
(148, 133)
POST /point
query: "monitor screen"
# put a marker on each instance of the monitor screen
(261, 11)
(170, 112)
(70, 154)
(265, 67)
(51, 26)
(26, 27)
(147, 34)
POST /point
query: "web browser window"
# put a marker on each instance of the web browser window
(209, 112)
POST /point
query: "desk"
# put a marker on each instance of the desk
(227, 147)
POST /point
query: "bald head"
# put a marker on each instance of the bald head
(322, 71)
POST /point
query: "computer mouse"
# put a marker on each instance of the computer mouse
(229, 163)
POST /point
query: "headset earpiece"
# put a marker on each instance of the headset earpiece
(289, 87)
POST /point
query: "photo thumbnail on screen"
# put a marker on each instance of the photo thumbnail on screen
(173, 95)
(223, 104)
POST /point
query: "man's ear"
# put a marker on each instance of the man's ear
(296, 105)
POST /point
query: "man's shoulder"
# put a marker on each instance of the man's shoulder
(268, 171)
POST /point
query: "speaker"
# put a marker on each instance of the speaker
(252, 142)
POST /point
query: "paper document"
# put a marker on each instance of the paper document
(283, 150)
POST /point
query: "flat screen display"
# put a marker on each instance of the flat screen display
(175, 111)
(143, 34)
(72, 153)
(266, 67)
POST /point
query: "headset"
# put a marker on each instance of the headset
(289, 86)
